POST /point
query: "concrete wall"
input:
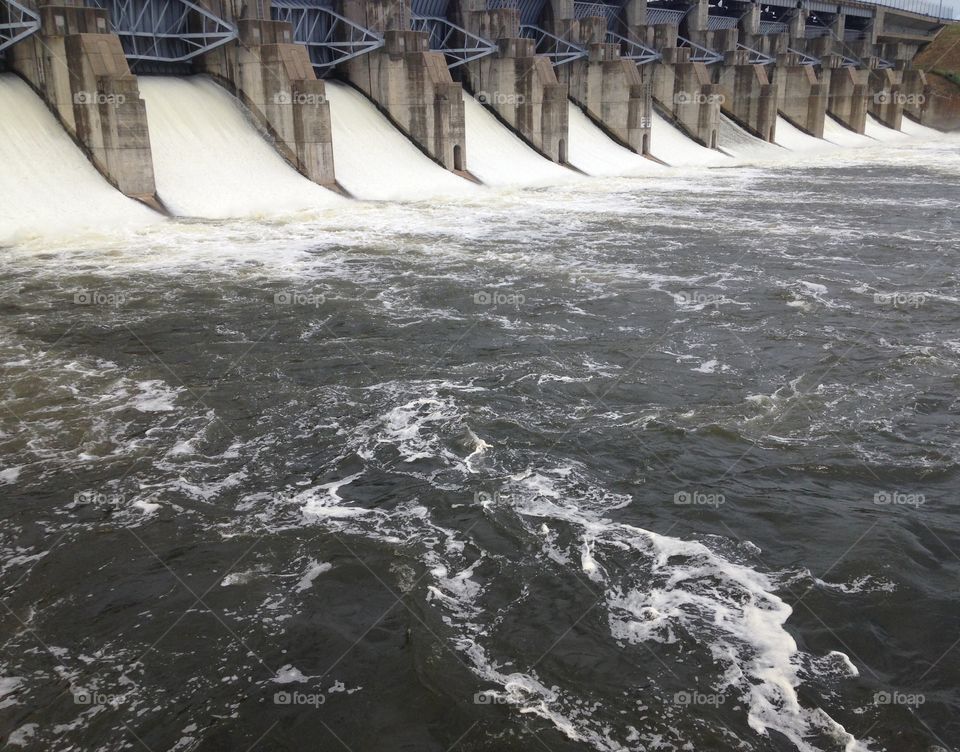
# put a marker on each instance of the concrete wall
(749, 97)
(411, 84)
(848, 93)
(886, 98)
(609, 88)
(275, 80)
(82, 74)
(802, 98)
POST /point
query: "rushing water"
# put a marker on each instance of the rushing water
(666, 463)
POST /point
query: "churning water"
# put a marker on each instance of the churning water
(665, 463)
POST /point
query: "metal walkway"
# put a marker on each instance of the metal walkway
(169, 31)
(329, 37)
(17, 22)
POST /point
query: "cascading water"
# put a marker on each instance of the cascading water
(211, 162)
(47, 184)
(592, 151)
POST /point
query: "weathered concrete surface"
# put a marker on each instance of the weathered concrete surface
(802, 98)
(409, 82)
(82, 74)
(848, 93)
(749, 97)
(886, 97)
(684, 90)
(610, 89)
(273, 77)
(520, 86)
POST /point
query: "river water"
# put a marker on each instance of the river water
(664, 463)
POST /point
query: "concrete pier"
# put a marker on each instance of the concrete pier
(848, 93)
(410, 83)
(518, 85)
(802, 98)
(79, 69)
(274, 78)
(681, 88)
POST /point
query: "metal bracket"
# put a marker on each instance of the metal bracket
(805, 59)
(329, 37)
(756, 57)
(631, 49)
(700, 53)
(169, 31)
(17, 22)
(444, 36)
(558, 50)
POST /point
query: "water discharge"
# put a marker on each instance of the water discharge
(210, 161)
(593, 152)
(48, 185)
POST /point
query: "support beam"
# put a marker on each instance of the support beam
(79, 68)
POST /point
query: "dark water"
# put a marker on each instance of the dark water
(687, 483)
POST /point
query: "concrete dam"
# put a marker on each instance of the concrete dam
(227, 108)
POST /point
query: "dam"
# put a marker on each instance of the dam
(479, 375)
(175, 102)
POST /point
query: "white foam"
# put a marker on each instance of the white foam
(49, 187)
(210, 161)
(794, 139)
(592, 151)
(498, 157)
(840, 135)
(674, 147)
(879, 131)
(744, 145)
(373, 160)
(913, 128)
(314, 570)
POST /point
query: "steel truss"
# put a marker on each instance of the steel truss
(17, 22)
(458, 44)
(170, 31)
(330, 38)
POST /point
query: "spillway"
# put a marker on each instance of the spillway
(374, 160)
(792, 138)
(842, 136)
(592, 151)
(210, 160)
(500, 158)
(876, 129)
(48, 185)
(744, 145)
(673, 146)
(913, 128)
